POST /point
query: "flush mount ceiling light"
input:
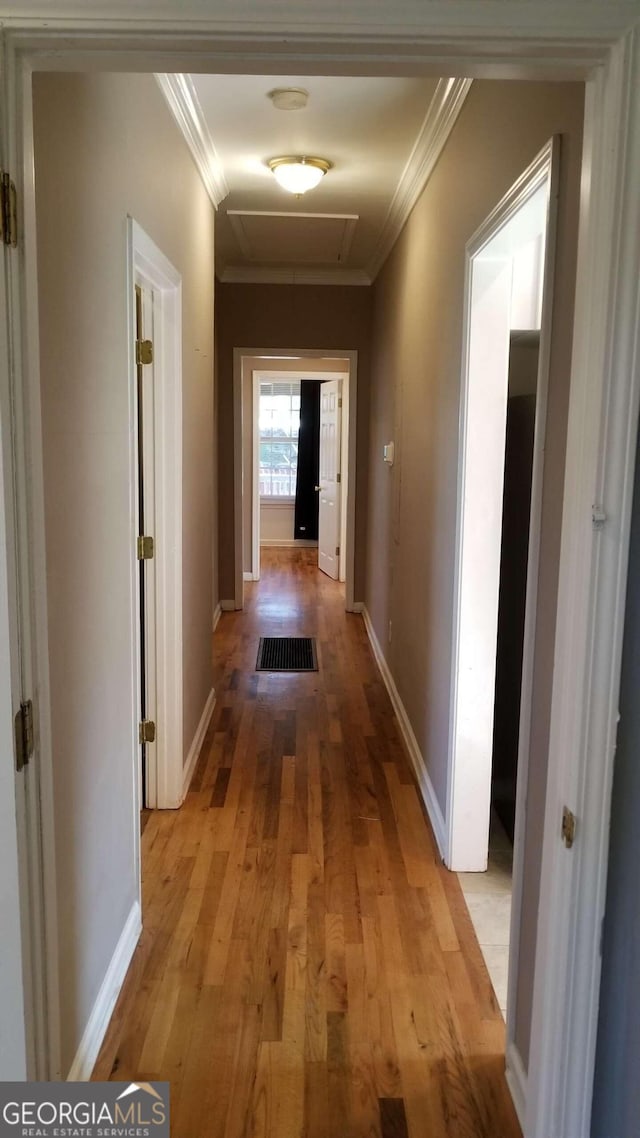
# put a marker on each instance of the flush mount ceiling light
(289, 98)
(297, 173)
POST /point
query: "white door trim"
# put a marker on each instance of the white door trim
(147, 264)
(286, 376)
(303, 353)
(596, 41)
(466, 766)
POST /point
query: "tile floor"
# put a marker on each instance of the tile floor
(488, 898)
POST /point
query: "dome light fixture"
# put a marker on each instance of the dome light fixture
(297, 173)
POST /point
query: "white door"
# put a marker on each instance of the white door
(329, 481)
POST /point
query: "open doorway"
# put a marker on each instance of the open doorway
(503, 415)
(300, 465)
(268, 388)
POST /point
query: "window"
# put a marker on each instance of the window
(279, 423)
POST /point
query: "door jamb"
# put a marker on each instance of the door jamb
(146, 262)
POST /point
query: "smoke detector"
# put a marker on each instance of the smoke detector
(289, 98)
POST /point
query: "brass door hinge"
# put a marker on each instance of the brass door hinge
(145, 548)
(337, 550)
(24, 734)
(338, 478)
(147, 731)
(340, 401)
(8, 211)
(144, 352)
(568, 827)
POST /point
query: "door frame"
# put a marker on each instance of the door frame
(258, 375)
(146, 263)
(239, 354)
(599, 43)
(463, 763)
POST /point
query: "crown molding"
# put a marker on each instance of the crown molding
(184, 105)
(439, 121)
(248, 274)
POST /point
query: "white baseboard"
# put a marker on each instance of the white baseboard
(194, 749)
(357, 606)
(287, 543)
(228, 606)
(517, 1082)
(248, 576)
(217, 613)
(102, 1010)
(409, 739)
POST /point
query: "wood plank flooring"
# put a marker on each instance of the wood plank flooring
(307, 967)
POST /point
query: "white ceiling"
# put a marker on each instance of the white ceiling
(382, 135)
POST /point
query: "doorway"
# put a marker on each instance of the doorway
(250, 369)
(155, 463)
(503, 413)
(288, 501)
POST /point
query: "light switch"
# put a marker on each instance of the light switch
(388, 453)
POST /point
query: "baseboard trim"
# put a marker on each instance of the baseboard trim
(217, 613)
(102, 1010)
(357, 606)
(194, 749)
(409, 739)
(228, 606)
(248, 576)
(287, 543)
(517, 1082)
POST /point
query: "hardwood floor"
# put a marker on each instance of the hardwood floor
(307, 967)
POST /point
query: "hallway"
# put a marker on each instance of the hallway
(307, 967)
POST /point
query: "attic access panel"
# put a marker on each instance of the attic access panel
(293, 238)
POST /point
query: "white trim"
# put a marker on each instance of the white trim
(198, 740)
(440, 119)
(285, 543)
(255, 477)
(247, 274)
(35, 809)
(601, 452)
(410, 742)
(147, 263)
(183, 102)
(358, 606)
(517, 1080)
(227, 606)
(248, 576)
(217, 613)
(102, 1010)
(472, 678)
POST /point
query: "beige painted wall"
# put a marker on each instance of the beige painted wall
(106, 146)
(324, 318)
(415, 388)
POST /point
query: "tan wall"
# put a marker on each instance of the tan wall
(415, 388)
(324, 318)
(106, 146)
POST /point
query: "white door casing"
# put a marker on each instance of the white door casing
(329, 484)
(162, 293)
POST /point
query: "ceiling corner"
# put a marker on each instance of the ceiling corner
(183, 102)
(439, 121)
